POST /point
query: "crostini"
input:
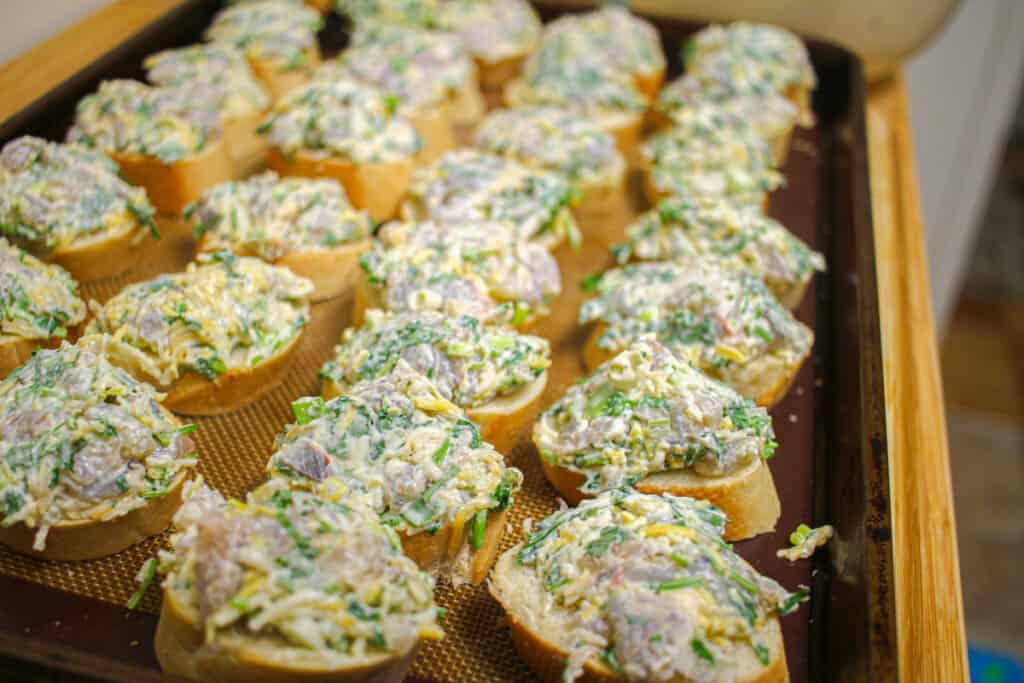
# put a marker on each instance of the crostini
(215, 337)
(278, 38)
(500, 34)
(495, 374)
(363, 13)
(288, 586)
(636, 587)
(38, 303)
(163, 139)
(721, 319)
(562, 141)
(463, 268)
(220, 72)
(91, 462)
(648, 419)
(305, 225)
(712, 226)
(411, 456)
(347, 131)
(709, 151)
(470, 185)
(66, 204)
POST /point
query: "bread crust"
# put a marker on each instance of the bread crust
(376, 188)
(87, 539)
(434, 126)
(544, 656)
(435, 552)
(14, 351)
(172, 186)
(467, 103)
(193, 394)
(102, 256)
(181, 650)
(246, 148)
(602, 196)
(649, 82)
(747, 496)
(279, 83)
(504, 420)
(494, 75)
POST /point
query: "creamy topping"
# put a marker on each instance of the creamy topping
(462, 268)
(645, 585)
(743, 238)
(612, 35)
(269, 30)
(722, 320)
(467, 185)
(55, 197)
(341, 118)
(297, 574)
(224, 313)
(646, 411)
(421, 68)
(37, 300)
(805, 541)
(402, 12)
(585, 85)
(493, 30)
(710, 152)
(81, 440)
(218, 70)
(129, 117)
(552, 139)
(468, 361)
(269, 217)
(403, 450)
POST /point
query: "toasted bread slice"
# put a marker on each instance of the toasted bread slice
(333, 271)
(494, 75)
(468, 105)
(173, 186)
(505, 420)
(14, 351)
(602, 196)
(377, 188)
(246, 147)
(435, 552)
(649, 82)
(279, 82)
(434, 126)
(103, 255)
(87, 539)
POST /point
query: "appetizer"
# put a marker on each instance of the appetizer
(278, 38)
(637, 587)
(683, 226)
(302, 224)
(561, 141)
(362, 13)
(647, 418)
(215, 337)
(288, 586)
(710, 152)
(496, 375)
(412, 457)
(463, 268)
(762, 58)
(468, 185)
(500, 34)
(90, 462)
(38, 303)
(721, 319)
(220, 72)
(166, 140)
(347, 131)
(66, 204)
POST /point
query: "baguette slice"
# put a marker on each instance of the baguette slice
(246, 147)
(434, 126)
(504, 420)
(14, 351)
(173, 186)
(436, 552)
(279, 82)
(377, 188)
(104, 255)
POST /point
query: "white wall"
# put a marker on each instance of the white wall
(24, 23)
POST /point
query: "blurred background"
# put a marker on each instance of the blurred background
(964, 65)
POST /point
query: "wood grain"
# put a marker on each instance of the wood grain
(929, 600)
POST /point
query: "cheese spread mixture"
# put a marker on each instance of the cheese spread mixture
(468, 185)
(222, 314)
(341, 118)
(805, 541)
(647, 411)
(82, 440)
(37, 300)
(402, 12)
(552, 139)
(469, 362)
(218, 70)
(269, 217)
(710, 152)
(464, 267)
(645, 585)
(296, 575)
(55, 197)
(682, 226)
(401, 449)
(417, 69)
(722, 320)
(269, 30)
(492, 30)
(585, 85)
(129, 117)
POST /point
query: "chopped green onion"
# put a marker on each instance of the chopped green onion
(145, 579)
(479, 528)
